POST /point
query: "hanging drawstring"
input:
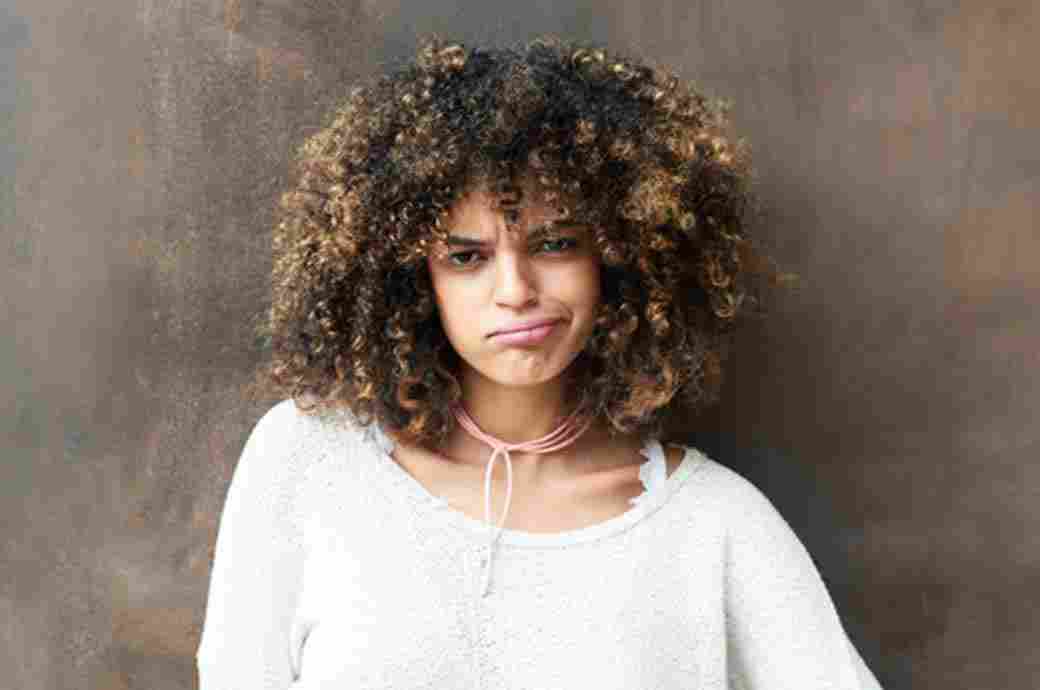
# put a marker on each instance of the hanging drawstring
(564, 435)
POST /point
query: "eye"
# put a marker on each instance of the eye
(558, 244)
(460, 258)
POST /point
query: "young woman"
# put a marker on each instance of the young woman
(498, 274)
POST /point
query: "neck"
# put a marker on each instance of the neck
(515, 414)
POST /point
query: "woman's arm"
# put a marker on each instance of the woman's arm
(248, 639)
(783, 629)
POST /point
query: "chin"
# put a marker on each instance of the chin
(519, 374)
(521, 380)
(521, 368)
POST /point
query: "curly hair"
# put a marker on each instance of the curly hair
(638, 154)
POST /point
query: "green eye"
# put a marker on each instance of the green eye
(458, 258)
(559, 244)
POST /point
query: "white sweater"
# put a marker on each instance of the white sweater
(335, 569)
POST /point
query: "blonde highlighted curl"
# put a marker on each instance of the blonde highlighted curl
(642, 158)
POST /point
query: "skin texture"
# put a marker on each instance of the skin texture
(529, 267)
(523, 272)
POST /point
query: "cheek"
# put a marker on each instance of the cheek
(441, 296)
(588, 287)
(452, 307)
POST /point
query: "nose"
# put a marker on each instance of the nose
(514, 280)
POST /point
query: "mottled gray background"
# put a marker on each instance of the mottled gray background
(142, 146)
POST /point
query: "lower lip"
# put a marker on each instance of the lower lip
(531, 336)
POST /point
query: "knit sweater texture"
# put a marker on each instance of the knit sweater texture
(335, 568)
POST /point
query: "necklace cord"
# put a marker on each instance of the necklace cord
(564, 435)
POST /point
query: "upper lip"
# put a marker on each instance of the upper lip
(524, 325)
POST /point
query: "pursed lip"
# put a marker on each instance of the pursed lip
(524, 326)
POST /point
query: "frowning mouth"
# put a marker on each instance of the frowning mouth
(524, 326)
(526, 336)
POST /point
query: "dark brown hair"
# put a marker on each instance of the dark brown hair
(649, 164)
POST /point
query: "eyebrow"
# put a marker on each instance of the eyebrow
(465, 241)
(536, 230)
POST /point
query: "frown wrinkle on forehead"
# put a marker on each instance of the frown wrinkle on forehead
(532, 232)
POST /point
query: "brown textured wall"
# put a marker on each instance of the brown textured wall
(142, 145)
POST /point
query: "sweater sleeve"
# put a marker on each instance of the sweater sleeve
(783, 632)
(249, 641)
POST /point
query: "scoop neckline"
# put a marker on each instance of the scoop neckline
(647, 504)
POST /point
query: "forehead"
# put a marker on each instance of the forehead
(516, 204)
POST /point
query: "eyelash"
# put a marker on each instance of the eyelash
(569, 242)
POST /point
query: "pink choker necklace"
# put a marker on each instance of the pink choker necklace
(564, 435)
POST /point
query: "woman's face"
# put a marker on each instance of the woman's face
(509, 268)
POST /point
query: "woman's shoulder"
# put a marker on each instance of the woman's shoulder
(287, 428)
(290, 415)
(282, 417)
(282, 424)
(726, 489)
